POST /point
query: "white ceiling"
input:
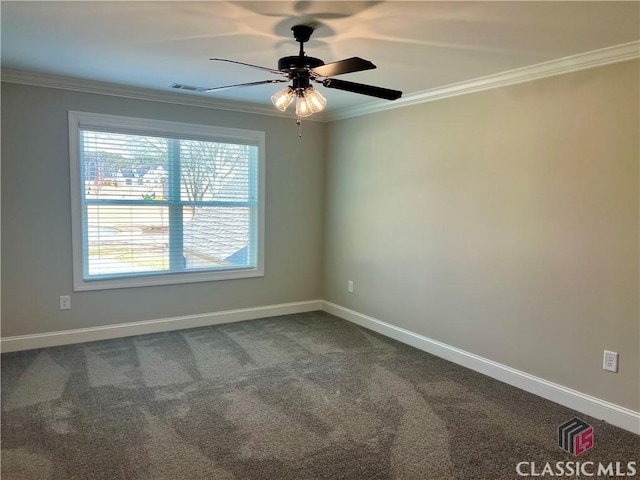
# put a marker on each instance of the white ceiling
(416, 46)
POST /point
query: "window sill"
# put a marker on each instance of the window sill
(166, 279)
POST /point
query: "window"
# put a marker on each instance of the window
(156, 202)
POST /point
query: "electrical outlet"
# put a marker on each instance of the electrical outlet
(65, 302)
(350, 286)
(610, 362)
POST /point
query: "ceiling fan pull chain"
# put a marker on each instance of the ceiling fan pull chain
(299, 123)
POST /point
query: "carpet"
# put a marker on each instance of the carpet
(306, 396)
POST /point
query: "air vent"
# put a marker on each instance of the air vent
(180, 86)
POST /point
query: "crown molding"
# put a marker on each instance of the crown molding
(582, 61)
(105, 88)
(574, 63)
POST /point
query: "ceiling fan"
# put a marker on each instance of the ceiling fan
(301, 70)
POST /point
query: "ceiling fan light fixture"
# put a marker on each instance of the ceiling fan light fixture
(283, 98)
(315, 99)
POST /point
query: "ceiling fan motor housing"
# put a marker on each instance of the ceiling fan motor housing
(298, 63)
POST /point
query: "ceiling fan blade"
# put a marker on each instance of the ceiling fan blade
(272, 70)
(250, 84)
(362, 89)
(354, 64)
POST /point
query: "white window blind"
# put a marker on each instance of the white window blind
(163, 202)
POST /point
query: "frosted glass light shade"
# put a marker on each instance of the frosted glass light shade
(283, 98)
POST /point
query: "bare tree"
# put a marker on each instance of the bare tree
(205, 167)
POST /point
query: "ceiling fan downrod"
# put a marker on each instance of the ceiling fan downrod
(299, 64)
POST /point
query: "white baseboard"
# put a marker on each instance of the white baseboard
(614, 414)
(67, 337)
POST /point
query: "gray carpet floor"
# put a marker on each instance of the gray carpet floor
(306, 396)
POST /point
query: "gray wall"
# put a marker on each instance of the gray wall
(504, 223)
(36, 223)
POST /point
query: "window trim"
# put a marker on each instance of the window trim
(142, 126)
